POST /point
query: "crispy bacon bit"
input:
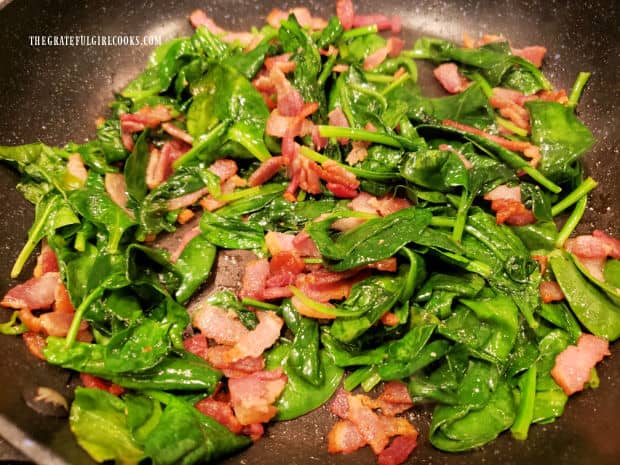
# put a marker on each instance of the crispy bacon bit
(450, 78)
(267, 170)
(542, 261)
(281, 61)
(341, 191)
(46, 261)
(358, 153)
(76, 168)
(35, 343)
(338, 118)
(394, 399)
(34, 294)
(253, 343)
(160, 162)
(220, 411)
(218, 358)
(346, 13)
(305, 246)
(534, 54)
(372, 428)
(390, 319)
(252, 396)
(116, 188)
(303, 16)
(550, 291)
(57, 323)
(283, 268)
(598, 245)
(336, 174)
(508, 207)
(510, 106)
(376, 58)
(516, 146)
(185, 216)
(197, 345)
(177, 132)
(218, 324)
(224, 168)
(145, 117)
(91, 381)
(573, 365)
(254, 278)
(387, 264)
(62, 300)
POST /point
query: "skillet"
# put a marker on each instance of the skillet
(54, 94)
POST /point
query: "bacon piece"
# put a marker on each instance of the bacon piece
(597, 245)
(390, 319)
(393, 400)
(186, 239)
(305, 246)
(281, 61)
(218, 358)
(376, 58)
(542, 261)
(35, 343)
(367, 422)
(95, 382)
(383, 22)
(186, 200)
(338, 118)
(224, 168)
(534, 54)
(278, 125)
(303, 16)
(340, 68)
(252, 396)
(76, 168)
(274, 293)
(220, 411)
(34, 294)
(278, 242)
(450, 78)
(398, 451)
(387, 264)
(323, 286)
(309, 173)
(199, 18)
(254, 278)
(116, 188)
(573, 365)
(387, 204)
(344, 438)
(514, 145)
(57, 323)
(267, 170)
(318, 141)
(218, 324)
(253, 343)
(550, 291)
(283, 268)
(332, 172)
(341, 191)
(46, 261)
(291, 103)
(197, 345)
(358, 153)
(177, 132)
(346, 13)
(255, 431)
(510, 106)
(160, 163)
(32, 322)
(143, 118)
(62, 300)
(507, 205)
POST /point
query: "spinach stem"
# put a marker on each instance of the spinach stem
(572, 221)
(378, 77)
(525, 412)
(575, 93)
(358, 134)
(31, 243)
(482, 82)
(79, 313)
(581, 190)
(541, 179)
(313, 261)
(395, 83)
(461, 217)
(357, 377)
(246, 301)
(214, 135)
(327, 69)
(240, 194)
(371, 93)
(511, 126)
(443, 221)
(359, 31)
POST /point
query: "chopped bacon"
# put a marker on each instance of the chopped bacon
(224, 168)
(346, 13)
(283, 269)
(553, 96)
(335, 173)
(197, 345)
(253, 343)
(34, 294)
(62, 300)
(450, 78)
(218, 324)
(396, 45)
(255, 431)
(76, 168)
(390, 319)
(510, 109)
(95, 382)
(116, 188)
(318, 141)
(550, 291)
(573, 365)
(252, 396)
(398, 451)
(358, 153)
(394, 399)
(508, 207)
(309, 173)
(218, 358)
(160, 163)
(511, 95)
(145, 117)
(387, 264)
(338, 118)
(267, 170)
(281, 61)
(383, 22)
(220, 411)
(186, 239)
(291, 103)
(542, 261)
(305, 246)
(534, 54)
(323, 286)
(517, 146)
(35, 343)
(282, 126)
(303, 16)
(57, 323)
(373, 428)
(597, 245)
(595, 266)
(254, 278)
(387, 204)
(340, 68)
(32, 322)
(278, 242)
(376, 58)
(177, 132)
(46, 261)
(341, 191)
(344, 438)
(186, 200)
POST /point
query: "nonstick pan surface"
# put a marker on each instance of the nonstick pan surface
(54, 94)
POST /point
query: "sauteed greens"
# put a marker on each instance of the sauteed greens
(378, 256)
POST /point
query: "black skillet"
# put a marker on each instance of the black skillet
(54, 94)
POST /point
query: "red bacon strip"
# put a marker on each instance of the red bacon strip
(450, 78)
(573, 365)
(550, 291)
(252, 397)
(34, 294)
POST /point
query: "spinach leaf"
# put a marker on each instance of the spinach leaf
(562, 138)
(100, 426)
(304, 354)
(299, 396)
(435, 169)
(194, 265)
(232, 233)
(110, 143)
(284, 215)
(135, 168)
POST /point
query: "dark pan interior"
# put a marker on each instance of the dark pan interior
(54, 94)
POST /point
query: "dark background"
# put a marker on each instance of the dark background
(54, 94)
